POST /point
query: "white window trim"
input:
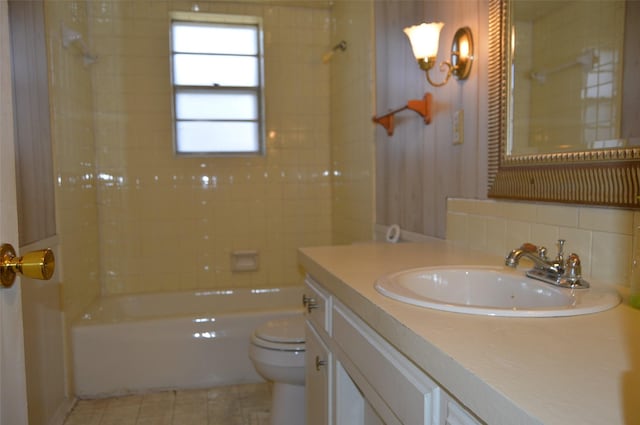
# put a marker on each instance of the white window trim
(222, 19)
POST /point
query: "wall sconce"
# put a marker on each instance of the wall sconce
(424, 43)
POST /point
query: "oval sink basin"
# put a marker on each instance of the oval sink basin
(493, 292)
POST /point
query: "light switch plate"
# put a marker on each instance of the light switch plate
(458, 127)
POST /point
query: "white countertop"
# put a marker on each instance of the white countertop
(568, 370)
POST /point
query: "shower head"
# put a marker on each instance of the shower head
(342, 46)
(70, 37)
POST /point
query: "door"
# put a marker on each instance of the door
(13, 394)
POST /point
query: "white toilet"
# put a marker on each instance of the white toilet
(277, 352)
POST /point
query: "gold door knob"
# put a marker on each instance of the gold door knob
(35, 264)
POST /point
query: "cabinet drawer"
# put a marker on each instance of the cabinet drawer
(317, 305)
(407, 391)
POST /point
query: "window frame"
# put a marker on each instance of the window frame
(257, 91)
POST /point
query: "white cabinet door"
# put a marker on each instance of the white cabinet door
(349, 403)
(317, 379)
(355, 377)
(455, 414)
(317, 307)
(371, 417)
(393, 385)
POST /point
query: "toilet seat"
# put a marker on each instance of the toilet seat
(286, 334)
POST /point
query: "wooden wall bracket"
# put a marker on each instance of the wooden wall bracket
(421, 106)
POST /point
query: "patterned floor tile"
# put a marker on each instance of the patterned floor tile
(247, 404)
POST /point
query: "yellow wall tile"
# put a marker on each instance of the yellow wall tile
(150, 202)
(352, 148)
(557, 215)
(589, 94)
(606, 219)
(611, 258)
(601, 237)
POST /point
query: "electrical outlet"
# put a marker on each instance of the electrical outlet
(458, 127)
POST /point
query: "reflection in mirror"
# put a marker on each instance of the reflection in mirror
(566, 76)
(563, 105)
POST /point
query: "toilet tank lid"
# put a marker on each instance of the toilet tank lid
(288, 329)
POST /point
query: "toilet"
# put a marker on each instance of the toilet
(277, 352)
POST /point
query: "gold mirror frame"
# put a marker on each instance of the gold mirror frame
(608, 177)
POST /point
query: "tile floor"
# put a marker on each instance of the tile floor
(233, 405)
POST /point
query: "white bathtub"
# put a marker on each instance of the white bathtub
(136, 343)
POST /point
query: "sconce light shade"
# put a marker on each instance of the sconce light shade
(424, 39)
(424, 43)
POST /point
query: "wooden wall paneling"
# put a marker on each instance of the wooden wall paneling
(380, 98)
(397, 80)
(630, 126)
(462, 162)
(395, 84)
(34, 163)
(481, 113)
(419, 167)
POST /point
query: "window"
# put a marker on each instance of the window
(216, 64)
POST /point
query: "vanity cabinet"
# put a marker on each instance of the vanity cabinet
(355, 377)
(317, 377)
(319, 362)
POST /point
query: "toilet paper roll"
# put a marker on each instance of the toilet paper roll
(393, 233)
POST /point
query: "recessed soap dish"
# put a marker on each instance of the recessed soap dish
(244, 261)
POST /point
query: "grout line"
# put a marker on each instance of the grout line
(250, 398)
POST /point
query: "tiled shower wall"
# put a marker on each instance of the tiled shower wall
(132, 217)
(352, 132)
(589, 110)
(602, 237)
(171, 223)
(72, 133)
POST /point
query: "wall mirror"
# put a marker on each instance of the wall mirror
(564, 101)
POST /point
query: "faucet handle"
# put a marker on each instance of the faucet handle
(560, 256)
(573, 273)
(542, 253)
(574, 268)
(540, 250)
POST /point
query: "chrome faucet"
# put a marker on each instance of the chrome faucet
(560, 272)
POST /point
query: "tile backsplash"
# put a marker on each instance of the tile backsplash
(601, 236)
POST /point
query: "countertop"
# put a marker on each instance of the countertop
(567, 370)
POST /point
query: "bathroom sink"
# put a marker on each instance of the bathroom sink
(492, 291)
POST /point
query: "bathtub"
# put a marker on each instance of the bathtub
(136, 343)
